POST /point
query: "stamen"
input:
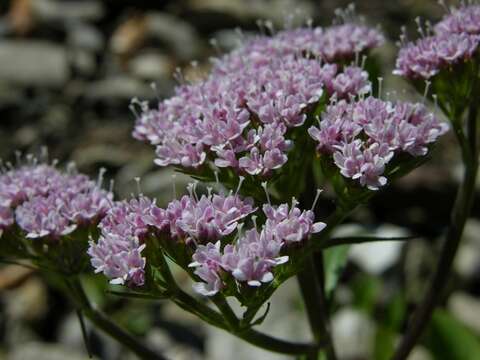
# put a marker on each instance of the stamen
(240, 182)
(44, 154)
(317, 196)
(139, 190)
(254, 220)
(18, 158)
(264, 186)
(111, 186)
(427, 88)
(380, 83)
(101, 173)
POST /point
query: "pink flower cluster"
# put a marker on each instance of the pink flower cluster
(117, 253)
(46, 202)
(427, 56)
(240, 115)
(253, 256)
(465, 19)
(364, 136)
(335, 43)
(455, 39)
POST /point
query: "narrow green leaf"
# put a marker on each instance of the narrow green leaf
(384, 343)
(335, 260)
(350, 240)
(84, 333)
(449, 339)
(135, 295)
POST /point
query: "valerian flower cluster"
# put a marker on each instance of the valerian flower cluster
(241, 115)
(209, 229)
(47, 203)
(365, 135)
(454, 41)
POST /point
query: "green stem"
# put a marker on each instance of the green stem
(313, 294)
(190, 304)
(460, 213)
(79, 297)
(249, 335)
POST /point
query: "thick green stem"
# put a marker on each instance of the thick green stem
(460, 213)
(79, 297)
(312, 289)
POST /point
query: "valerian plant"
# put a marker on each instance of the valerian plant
(252, 134)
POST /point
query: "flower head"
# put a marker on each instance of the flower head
(290, 224)
(364, 136)
(465, 19)
(428, 56)
(48, 202)
(252, 257)
(119, 258)
(117, 253)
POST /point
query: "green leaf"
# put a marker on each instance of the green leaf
(350, 240)
(384, 343)
(86, 340)
(335, 260)
(262, 318)
(366, 291)
(449, 339)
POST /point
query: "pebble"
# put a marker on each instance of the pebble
(33, 63)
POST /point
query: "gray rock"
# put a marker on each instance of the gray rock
(180, 36)
(33, 63)
(83, 61)
(55, 10)
(466, 308)
(376, 257)
(279, 11)
(353, 334)
(85, 36)
(118, 87)
(152, 65)
(42, 351)
(467, 261)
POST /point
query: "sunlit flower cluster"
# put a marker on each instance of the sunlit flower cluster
(210, 226)
(239, 117)
(45, 202)
(364, 136)
(253, 256)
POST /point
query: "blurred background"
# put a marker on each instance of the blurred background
(68, 70)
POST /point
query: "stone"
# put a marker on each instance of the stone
(179, 35)
(151, 65)
(86, 37)
(466, 308)
(61, 11)
(353, 334)
(376, 257)
(33, 63)
(43, 351)
(118, 87)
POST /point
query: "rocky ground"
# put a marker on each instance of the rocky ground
(68, 70)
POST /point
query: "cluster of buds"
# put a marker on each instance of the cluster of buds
(208, 230)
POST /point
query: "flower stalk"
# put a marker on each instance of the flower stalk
(460, 213)
(78, 296)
